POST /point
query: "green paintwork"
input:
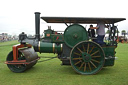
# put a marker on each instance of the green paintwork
(48, 32)
(110, 55)
(74, 34)
(57, 38)
(92, 55)
(50, 48)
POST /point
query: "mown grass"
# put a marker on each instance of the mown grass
(52, 73)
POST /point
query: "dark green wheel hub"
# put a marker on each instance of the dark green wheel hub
(87, 57)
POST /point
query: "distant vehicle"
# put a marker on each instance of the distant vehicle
(122, 39)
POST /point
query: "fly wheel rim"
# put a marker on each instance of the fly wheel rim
(87, 61)
(17, 68)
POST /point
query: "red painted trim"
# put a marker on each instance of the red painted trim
(15, 55)
(21, 61)
(15, 50)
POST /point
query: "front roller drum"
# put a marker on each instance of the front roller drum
(87, 58)
(27, 54)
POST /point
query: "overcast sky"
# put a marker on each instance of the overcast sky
(18, 15)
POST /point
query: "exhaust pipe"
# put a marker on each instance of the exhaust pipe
(37, 25)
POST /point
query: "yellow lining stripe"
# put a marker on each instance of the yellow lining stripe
(61, 47)
(53, 47)
(39, 46)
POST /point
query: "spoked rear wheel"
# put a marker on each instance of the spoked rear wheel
(87, 58)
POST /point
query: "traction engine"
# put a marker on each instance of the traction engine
(73, 47)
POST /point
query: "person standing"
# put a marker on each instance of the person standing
(100, 30)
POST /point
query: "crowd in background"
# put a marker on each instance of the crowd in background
(5, 37)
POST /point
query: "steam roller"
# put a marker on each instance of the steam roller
(73, 46)
(21, 59)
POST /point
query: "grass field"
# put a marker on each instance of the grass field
(52, 73)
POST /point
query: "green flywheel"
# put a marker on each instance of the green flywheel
(87, 57)
(75, 33)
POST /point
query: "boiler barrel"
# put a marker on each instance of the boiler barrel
(45, 47)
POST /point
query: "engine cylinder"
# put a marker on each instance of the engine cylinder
(50, 47)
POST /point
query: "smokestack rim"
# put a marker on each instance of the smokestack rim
(37, 13)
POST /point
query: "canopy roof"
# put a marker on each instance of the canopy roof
(82, 20)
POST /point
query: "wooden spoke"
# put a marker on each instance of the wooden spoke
(77, 62)
(95, 52)
(95, 61)
(88, 48)
(93, 64)
(85, 67)
(76, 58)
(89, 66)
(77, 54)
(81, 65)
(79, 49)
(91, 49)
(83, 48)
(87, 58)
(96, 56)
